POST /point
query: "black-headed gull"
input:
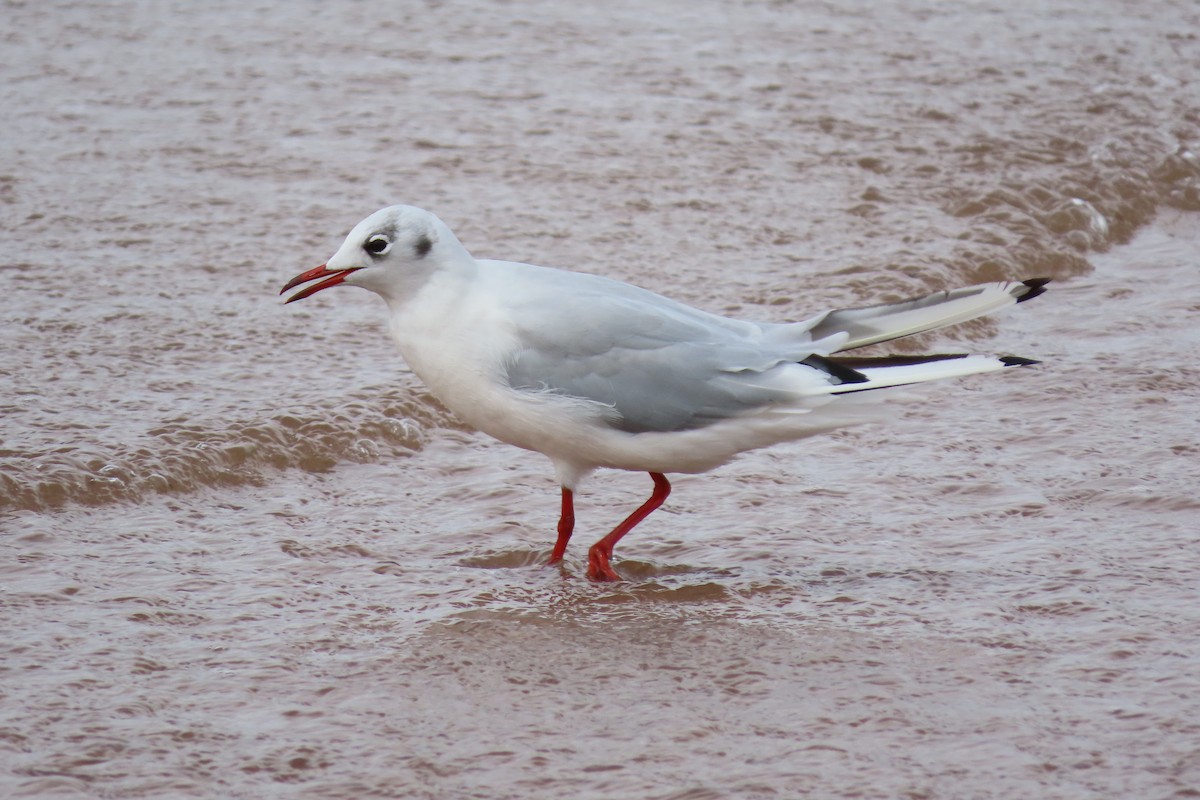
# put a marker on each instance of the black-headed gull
(594, 373)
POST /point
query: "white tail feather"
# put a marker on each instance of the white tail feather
(864, 326)
(906, 374)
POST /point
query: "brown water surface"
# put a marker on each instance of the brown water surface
(247, 555)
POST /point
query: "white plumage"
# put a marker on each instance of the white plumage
(597, 373)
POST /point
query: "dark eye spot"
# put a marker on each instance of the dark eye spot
(377, 244)
(423, 246)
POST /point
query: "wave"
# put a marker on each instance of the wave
(176, 457)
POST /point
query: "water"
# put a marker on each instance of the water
(247, 555)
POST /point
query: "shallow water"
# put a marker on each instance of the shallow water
(247, 555)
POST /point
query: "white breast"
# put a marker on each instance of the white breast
(458, 340)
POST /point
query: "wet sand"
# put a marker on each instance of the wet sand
(247, 555)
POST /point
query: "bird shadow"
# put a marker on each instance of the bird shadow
(642, 580)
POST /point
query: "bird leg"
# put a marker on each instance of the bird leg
(566, 525)
(601, 551)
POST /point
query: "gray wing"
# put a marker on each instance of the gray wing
(662, 365)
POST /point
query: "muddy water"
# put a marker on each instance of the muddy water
(246, 555)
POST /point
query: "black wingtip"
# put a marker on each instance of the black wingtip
(840, 372)
(1017, 361)
(1037, 286)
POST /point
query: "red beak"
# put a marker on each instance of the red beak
(332, 278)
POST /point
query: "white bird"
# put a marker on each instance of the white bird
(595, 373)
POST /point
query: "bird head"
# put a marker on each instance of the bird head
(391, 252)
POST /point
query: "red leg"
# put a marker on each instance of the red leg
(601, 552)
(566, 525)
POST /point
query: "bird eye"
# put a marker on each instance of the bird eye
(378, 244)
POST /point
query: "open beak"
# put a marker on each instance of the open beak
(332, 278)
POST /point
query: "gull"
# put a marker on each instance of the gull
(593, 372)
